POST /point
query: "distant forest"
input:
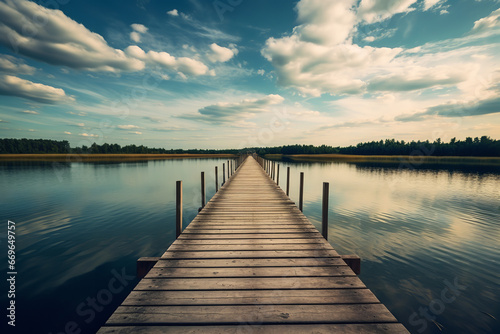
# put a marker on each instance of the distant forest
(484, 146)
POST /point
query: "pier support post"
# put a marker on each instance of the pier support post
(178, 209)
(228, 170)
(223, 174)
(216, 179)
(353, 261)
(144, 265)
(203, 198)
(278, 176)
(301, 191)
(288, 181)
(324, 216)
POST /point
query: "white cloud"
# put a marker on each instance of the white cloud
(314, 63)
(138, 30)
(173, 12)
(261, 72)
(14, 86)
(80, 124)
(183, 65)
(32, 112)
(225, 112)
(372, 11)
(135, 36)
(13, 65)
(415, 78)
(127, 127)
(88, 135)
(50, 36)
(428, 4)
(67, 132)
(136, 133)
(221, 54)
(490, 22)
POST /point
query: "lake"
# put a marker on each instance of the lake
(428, 237)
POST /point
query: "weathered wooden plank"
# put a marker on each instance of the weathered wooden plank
(249, 272)
(386, 328)
(193, 236)
(251, 247)
(252, 314)
(189, 230)
(264, 283)
(248, 254)
(269, 241)
(251, 297)
(242, 263)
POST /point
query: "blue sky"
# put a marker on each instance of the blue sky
(240, 73)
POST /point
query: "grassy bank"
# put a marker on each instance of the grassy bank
(390, 159)
(105, 157)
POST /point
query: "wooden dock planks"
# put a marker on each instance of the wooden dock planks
(251, 262)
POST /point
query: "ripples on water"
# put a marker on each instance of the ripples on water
(413, 229)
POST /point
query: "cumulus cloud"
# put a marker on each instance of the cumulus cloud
(9, 64)
(224, 112)
(14, 86)
(492, 21)
(320, 56)
(50, 36)
(183, 65)
(67, 132)
(221, 54)
(127, 127)
(138, 29)
(173, 12)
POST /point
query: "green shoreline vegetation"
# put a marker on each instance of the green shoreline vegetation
(482, 151)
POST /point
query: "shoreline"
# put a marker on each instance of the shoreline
(389, 159)
(70, 157)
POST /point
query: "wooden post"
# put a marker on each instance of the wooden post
(301, 191)
(228, 170)
(278, 176)
(288, 181)
(273, 170)
(324, 219)
(144, 265)
(178, 208)
(353, 261)
(203, 190)
(223, 174)
(216, 179)
(231, 167)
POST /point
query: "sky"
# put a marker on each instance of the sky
(247, 73)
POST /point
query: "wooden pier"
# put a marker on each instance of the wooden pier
(251, 262)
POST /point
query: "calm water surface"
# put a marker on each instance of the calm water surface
(428, 238)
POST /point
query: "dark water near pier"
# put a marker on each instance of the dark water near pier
(428, 238)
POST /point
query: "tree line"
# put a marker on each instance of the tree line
(484, 146)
